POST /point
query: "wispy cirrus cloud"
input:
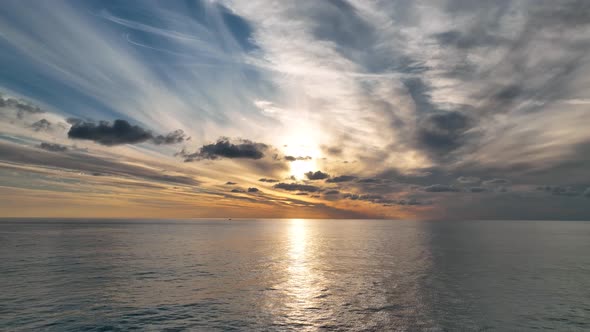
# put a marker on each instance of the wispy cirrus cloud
(415, 108)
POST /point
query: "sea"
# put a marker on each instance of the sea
(293, 275)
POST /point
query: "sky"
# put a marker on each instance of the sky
(400, 109)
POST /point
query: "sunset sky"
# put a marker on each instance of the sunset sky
(400, 109)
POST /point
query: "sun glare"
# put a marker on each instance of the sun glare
(306, 154)
(301, 143)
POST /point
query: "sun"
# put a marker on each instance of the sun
(306, 154)
(301, 142)
(300, 167)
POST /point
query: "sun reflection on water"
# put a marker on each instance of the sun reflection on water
(297, 240)
(304, 286)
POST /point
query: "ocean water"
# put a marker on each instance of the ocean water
(294, 275)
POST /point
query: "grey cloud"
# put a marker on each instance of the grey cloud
(587, 192)
(229, 183)
(332, 192)
(253, 190)
(292, 158)
(443, 131)
(119, 132)
(296, 187)
(177, 136)
(369, 180)
(560, 191)
(237, 190)
(440, 188)
(53, 147)
(477, 189)
(495, 182)
(468, 179)
(302, 194)
(332, 150)
(342, 178)
(89, 164)
(224, 148)
(41, 125)
(268, 180)
(467, 40)
(21, 107)
(317, 175)
(363, 197)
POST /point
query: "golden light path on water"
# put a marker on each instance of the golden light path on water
(304, 285)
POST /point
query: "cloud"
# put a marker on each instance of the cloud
(268, 180)
(291, 158)
(296, 187)
(332, 192)
(496, 182)
(462, 40)
(119, 132)
(21, 107)
(587, 192)
(85, 163)
(443, 131)
(253, 190)
(224, 148)
(560, 191)
(229, 183)
(318, 175)
(440, 188)
(53, 147)
(369, 180)
(477, 189)
(237, 190)
(333, 151)
(41, 125)
(468, 179)
(177, 136)
(342, 178)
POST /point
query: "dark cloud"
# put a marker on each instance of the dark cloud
(177, 136)
(587, 192)
(41, 125)
(342, 178)
(119, 132)
(296, 187)
(318, 175)
(237, 190)
(105, 133)
(440, 188)
(560, 191)
(21, 107)
(229, 183)
(339, 22)
(363, 197)
(253, 190)
(496, 182)
(443, 131)
(467, 40)
(224, 148)
(292, 158)
(302, 194)
(333, 151)
(268, 180)
(477, 189)
(53, 147)
(468, 179)
(369, 180)
(85, 163)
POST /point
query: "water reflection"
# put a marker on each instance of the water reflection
(297, 243)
